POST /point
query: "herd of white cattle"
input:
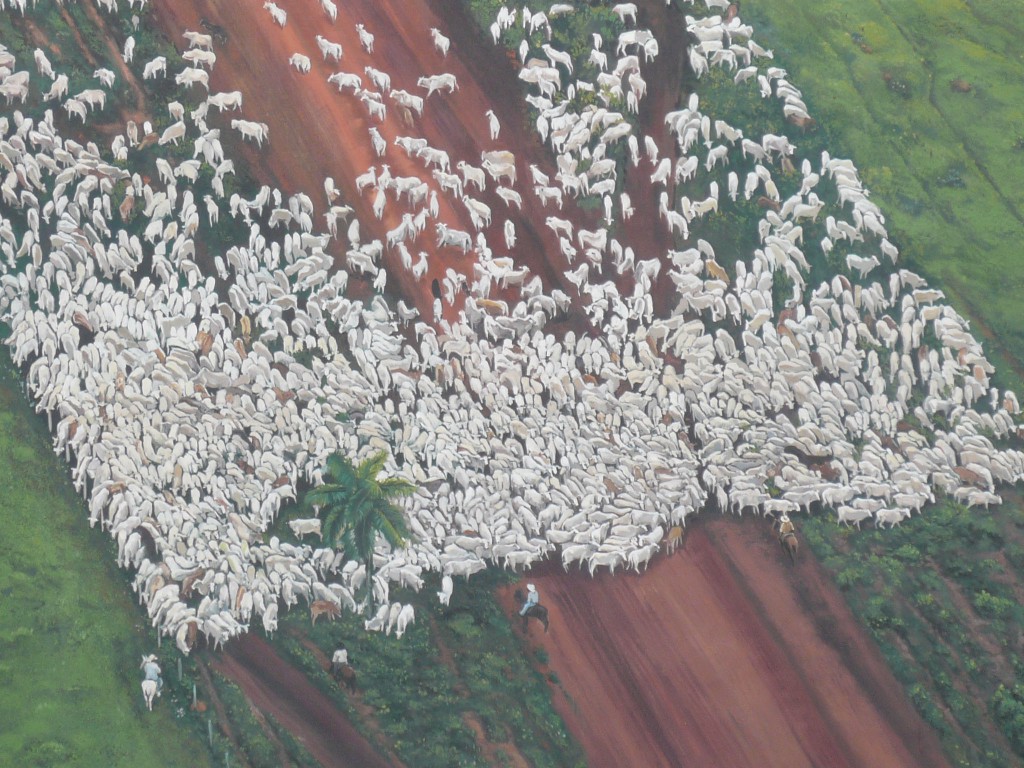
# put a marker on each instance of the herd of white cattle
(178, 399)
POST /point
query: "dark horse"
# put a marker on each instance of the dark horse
(345, 675)
(790, 544)
(538, 612)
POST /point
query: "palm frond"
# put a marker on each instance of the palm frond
(396, 486)
(392, 526)
(372, 467)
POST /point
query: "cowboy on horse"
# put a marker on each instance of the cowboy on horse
(532, 607)
(532, 599)
(787, 536)
(152, 683)
(151, 671)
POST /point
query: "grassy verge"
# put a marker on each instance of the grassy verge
(71, 636)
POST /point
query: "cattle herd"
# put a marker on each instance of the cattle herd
(191, 400)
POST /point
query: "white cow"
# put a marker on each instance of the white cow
(155, 67)
(441, 43)
(300, 62)
(303, 526)
(493, 124)
(279, 16)
(365, 38)
(328, 49)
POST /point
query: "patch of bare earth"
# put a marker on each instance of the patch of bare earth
(723, 655)
(281, 690)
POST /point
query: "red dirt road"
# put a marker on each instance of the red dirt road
(723, 655)
(279, 689)
(317, 132)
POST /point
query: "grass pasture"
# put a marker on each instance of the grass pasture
(926, 98)
(71, 636)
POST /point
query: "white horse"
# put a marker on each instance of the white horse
(149, 693)
(153, 683)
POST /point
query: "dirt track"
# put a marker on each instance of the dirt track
(279, 689)
(316, 132)
(723, 655)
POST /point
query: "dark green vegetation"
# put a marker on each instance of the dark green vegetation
(942, 596)
(356, 507)
(457, 672)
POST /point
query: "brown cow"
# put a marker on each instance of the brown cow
(674, 539)
(323, 607)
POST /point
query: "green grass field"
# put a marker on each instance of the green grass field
(71, 636)
(945, 165)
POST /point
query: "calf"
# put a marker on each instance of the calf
(326, 608)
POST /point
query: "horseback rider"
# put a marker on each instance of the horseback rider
(339, 659)
(532, 599)
(151, 670)
(786, 527)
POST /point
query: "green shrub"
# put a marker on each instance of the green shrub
(1008, 707)
(993, 607)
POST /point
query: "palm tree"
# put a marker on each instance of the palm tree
(355, 506)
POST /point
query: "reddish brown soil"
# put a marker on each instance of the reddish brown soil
(279, 689)
(724, 654)
(317, 132)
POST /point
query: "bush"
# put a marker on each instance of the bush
(993, 607)
(1008, 708)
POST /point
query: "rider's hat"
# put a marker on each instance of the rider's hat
(531, 587)
(785, 517)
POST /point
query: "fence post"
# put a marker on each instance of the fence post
(193, 695)
(179, 669)
(209, 730)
